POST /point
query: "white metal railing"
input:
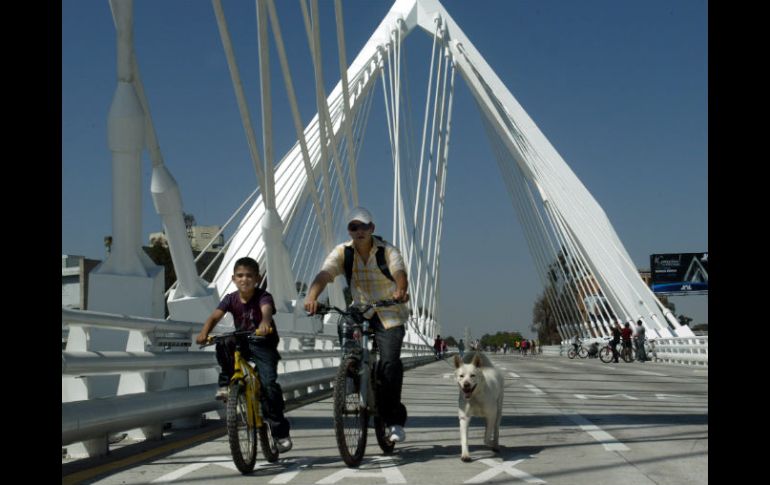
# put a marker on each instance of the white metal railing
(306, 373)
(681, 350)
(674, 350)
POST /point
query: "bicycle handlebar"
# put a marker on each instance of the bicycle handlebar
(324, 309)
(212, 339)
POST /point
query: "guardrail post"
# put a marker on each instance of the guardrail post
(76, 388)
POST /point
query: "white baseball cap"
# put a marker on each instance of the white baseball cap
(360, 214)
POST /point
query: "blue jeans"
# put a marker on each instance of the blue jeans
(389, 372)
(266, 357)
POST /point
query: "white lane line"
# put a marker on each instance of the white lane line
(586, 396)
(514, 375)
(170, 477)
(552, 367)
(651, 373)
(607, 440)
(534, 389)
(294, 470)
(502, 467)
(224, 461)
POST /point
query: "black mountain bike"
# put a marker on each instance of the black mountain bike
(355, 387)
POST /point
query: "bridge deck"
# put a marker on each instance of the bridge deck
(565, 421)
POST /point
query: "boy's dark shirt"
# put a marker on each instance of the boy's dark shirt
(246, 316)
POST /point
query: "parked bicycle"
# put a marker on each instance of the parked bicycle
(356, 385)
(244, 412)
(581, 352)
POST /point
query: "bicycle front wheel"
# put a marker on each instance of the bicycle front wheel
(605, 355)
(582, 352)
(269, 448)
(571, 353)
(350, 419)
(241, 436)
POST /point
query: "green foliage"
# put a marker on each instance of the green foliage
(450, 341)
(500, 338)
(544, 322)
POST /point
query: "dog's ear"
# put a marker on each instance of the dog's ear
(476, 360)
(458, 361)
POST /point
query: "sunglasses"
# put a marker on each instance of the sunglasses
(353, 226)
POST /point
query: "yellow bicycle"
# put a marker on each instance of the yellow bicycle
(244, 413)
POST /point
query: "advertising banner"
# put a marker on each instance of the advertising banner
(679, 272)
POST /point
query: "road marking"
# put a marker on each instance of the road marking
(664, 396)
(598, 396)
(80, 476)
(293, 470)
(502, 467)
(448, 376)
(388, 470)
(514, 375)
(553, 367)
(607, 440)
(224, 461)
(534, 389)
(652, 373)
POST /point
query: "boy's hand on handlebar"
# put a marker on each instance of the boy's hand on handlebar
(263, 329)
(202, 339)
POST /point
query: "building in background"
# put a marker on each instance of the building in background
(199, 237)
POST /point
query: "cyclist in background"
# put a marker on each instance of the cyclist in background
(368, 284)
(252, 309)
(625, 334)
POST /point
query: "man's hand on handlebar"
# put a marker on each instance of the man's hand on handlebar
(311, 306)
(401, 296)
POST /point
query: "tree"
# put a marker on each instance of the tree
(544, 322)
(500, 338)
(450, 341)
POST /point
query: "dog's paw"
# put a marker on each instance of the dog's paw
(465, 458)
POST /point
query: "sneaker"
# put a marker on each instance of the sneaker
(396, 433)
(284, 444)
(222, 393)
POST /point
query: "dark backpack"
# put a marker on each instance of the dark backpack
(381, 263)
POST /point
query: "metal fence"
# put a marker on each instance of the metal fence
(307, 368)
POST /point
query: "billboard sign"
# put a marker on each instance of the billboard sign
(679, 272)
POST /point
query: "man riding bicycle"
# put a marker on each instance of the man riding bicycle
(375, 271)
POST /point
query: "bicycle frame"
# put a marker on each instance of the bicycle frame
(244, 372)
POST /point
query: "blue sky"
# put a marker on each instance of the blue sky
(619, 88)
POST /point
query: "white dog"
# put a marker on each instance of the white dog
(481, 394)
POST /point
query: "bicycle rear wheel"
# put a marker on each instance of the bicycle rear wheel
(605, 354)
(627, 354)
(241, 436)
(571, 353)
(350, 419)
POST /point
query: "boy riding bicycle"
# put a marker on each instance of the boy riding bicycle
(252, 309)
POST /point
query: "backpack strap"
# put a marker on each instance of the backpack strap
(379, 255)
(348, 263)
